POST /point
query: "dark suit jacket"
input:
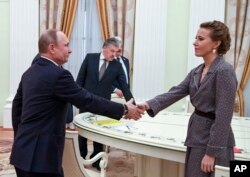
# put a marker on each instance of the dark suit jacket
(126, 62)
(69, 115)
(37, 57)
(88, 77)
(38, 115)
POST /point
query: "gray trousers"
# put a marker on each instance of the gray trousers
(194, 157)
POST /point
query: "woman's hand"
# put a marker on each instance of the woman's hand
(207, 163)
(143, 106)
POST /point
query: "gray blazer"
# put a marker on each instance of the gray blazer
(216, 93)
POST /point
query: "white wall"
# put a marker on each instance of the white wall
(149, 49)
(201, 11)
(24, 28)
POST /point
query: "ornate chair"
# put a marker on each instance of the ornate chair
(74, 164)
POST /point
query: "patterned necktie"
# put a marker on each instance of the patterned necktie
(102, 69)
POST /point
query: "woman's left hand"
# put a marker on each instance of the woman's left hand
(207, 163)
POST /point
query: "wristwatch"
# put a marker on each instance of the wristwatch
(125, 109)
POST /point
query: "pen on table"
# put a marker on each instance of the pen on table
(128, 128)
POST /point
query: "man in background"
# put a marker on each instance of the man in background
(125, 66)
(97, 74)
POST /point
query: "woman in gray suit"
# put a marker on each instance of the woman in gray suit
(212, 88)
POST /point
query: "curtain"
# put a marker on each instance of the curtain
(51, 14)
(238, 21)
(122, 22)
(117, 18)
(102, 11)
(243, 83)
(93, 34)
(69, 16)
(57, 14)
(86, 36)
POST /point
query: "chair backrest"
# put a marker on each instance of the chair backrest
(73, 163)
(221, 171)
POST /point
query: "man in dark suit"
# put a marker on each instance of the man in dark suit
(37, 57)
(40, 105)
(69, 115)
(89, 78)
(125, 66)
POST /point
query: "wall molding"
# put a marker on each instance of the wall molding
(24, 34)
(201, 11)
(149, 49)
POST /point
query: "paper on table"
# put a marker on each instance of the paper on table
(119, 125)
(108, 122)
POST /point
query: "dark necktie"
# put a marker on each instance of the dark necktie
(102, 69)
(119, 59)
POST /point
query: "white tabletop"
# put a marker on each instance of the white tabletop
(164, 133)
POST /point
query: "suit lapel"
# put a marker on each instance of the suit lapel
(197, 76)
(212, 69)
(109, 69)
(96, 62)
(126, 64)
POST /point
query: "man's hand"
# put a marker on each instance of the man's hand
(207, 164)
(118, 92)
(134, 112)
(143, 106)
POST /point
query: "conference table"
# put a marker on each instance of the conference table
(158, 142)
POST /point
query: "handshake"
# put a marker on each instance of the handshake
(136, 111)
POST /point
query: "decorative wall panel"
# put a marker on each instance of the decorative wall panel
(201, 11)
(149, 49)
(24, 25)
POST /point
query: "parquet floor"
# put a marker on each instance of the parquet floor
(119, 163)
(6, 140)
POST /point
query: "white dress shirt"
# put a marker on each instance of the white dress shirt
(124, 68)
(101, 61)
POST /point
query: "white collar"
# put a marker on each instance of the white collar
(102, 56)
(50, 60)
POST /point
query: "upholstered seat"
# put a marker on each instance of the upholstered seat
(221, 171)
(74, 165)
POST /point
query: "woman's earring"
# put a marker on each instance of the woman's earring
(214, 51)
